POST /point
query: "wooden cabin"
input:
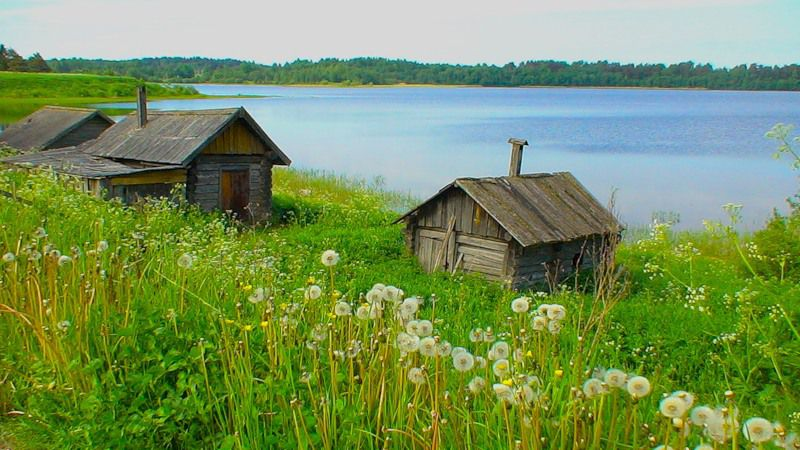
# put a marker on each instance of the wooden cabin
(518, 229)
(55, 127)
(222, 156)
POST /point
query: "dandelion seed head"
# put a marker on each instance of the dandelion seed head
(444, 348)
(554, 326)
(185, 261)
(539, 323)
(463, 361)
(9, 257)
(556, 312)
(64, 325)
(672, 406)
(407, 343)
(758, 430)
(504, 393)
(476, 385)
(362, 312)
(412, 327)
(425, 328)
(500, 350)
(638, 386)
(593, 388)
(427, 347)
(313, 292)
(615, 378)
(64, 259)
(520, 305)
(501, 368)
(416, 375)
(329, 258)
(102, 246)
(701, 415)
(342, 309)
(476, 335)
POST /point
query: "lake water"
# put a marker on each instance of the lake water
(685, 152)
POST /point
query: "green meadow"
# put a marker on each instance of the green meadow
(23, 93)
(160, 326)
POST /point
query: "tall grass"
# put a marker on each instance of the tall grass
(163, 327)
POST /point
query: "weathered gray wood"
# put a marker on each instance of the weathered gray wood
(445, 242)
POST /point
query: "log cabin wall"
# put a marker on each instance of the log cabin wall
(89, 130)
(531, 265)
(454, 232)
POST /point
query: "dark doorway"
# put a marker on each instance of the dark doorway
(235, 192)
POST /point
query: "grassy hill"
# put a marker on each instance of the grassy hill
(23, 93)
(161, 326)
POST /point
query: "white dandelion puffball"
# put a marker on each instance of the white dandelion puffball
(375, 312)
(313, 292)
(539, 323)
(556, 312)
(701, 415)
(615, 378)
(409, 307)
(554, 326)
(463, 361)
(758, 430)
(64, 259)
(638, 386)
(412, 327)
(375, 296)
(408, 343)
(542, 309)
(526, 394)
(704, 447)
(9, 257)
(500, 350)
(686, 397)
(500, 368)
(342, 309)
(476, 335)
(481, 362)
(520, 305)
(504, 393)
(672, 407)
(719, 427)
(457, 350)
(489, 336)
(427, 347)
(476, 385)
(64, 325)
(593, 388)
(392, 294)
(329, 258)
(40, 233)
(444, 348)
(425, 328)
(258, 296)
(102, 246)
(417, 376)
(185, 261)
(362, 312)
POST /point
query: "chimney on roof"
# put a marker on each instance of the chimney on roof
(515, 166)
(141, 105)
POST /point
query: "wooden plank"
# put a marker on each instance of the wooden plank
(477, 241)
(459, 260)
(490, 256)
(433, 234)
(161, 176)
(445, 242)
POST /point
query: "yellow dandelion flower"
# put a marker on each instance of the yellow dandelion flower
(247, 287)
(264, 324)
(331, 315)
(228, 321)
(508, 382)
(248, 328)
(529, 354)
(337, 294)
(559, 373)
(311, 280)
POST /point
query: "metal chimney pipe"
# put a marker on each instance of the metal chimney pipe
(141, 105)
(515, 166)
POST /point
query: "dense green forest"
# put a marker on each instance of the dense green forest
(381, 71)
(11, 61)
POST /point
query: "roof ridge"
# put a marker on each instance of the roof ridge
(70, 108)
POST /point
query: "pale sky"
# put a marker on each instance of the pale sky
(722, 32)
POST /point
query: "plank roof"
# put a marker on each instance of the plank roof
(536, 208)
(75, 161)
(174, 137)
(46, 126)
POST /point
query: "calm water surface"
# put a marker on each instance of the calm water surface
(686, 152)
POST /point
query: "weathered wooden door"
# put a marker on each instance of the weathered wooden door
(434, 252)
(235, 192)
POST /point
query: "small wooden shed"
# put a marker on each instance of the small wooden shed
(517, 229)
(222, 156)
(55, 127)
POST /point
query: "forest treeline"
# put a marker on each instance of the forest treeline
(11, 61)
(381, 71)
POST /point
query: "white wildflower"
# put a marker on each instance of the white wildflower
(638, 386)
(672, 407)
(757, 430)
(463, 361)
(520, 305)
(329, 258)
(185, 261)
(313, 292)
(342, 309)
(416, 375)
